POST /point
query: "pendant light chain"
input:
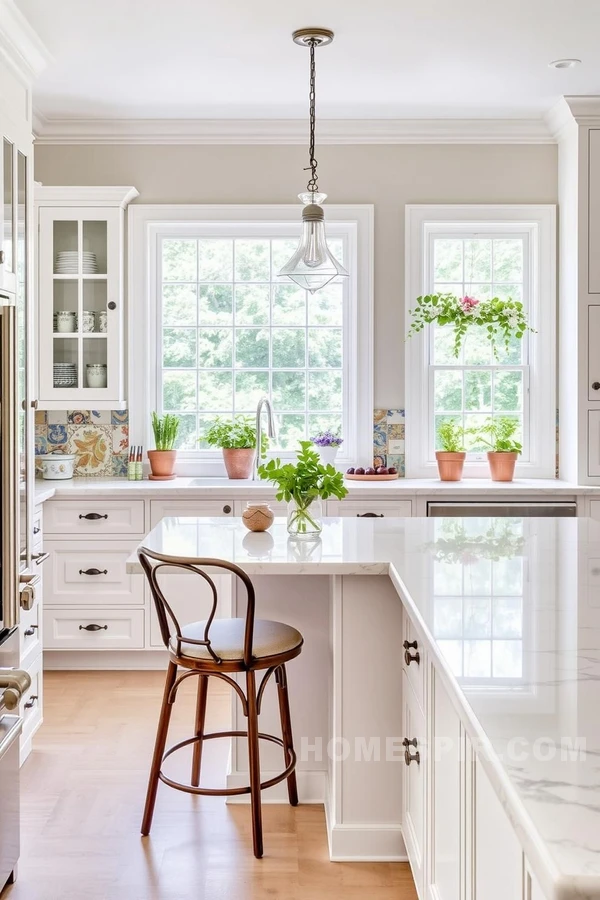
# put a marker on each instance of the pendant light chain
(312, 185)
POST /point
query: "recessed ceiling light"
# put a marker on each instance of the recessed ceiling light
(564, 63)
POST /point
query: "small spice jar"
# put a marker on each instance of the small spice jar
(258, 516)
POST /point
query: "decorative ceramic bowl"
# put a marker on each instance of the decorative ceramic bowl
(57, 466)
(258, 516)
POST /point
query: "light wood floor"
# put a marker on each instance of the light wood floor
(82, 796)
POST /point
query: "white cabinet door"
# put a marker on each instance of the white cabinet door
(594, 352)
(445, 794)
(161, 509)
(594, 213)
(498, 855)
(369, 508)
(594, 442)
(413, 783)
(84, 573)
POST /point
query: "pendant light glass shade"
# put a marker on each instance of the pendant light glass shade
(313, 265)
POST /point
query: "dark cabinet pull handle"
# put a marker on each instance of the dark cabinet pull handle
(93, 516)
(408, 756)
(408, 645)
(369, 515)
(411, 657)
(29, 631)
(93, 627)
(93, 572)
(227, 509)
(39, 558)
(36, 529)
(31, 702)
(596, 385)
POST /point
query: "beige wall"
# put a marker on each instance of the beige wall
(387, 176)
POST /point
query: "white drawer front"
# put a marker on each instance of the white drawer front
(161, 509)
(30, 708)
(94, 517)
(93, 629)
(30, 628)
(368, 508)
(70, 574)
(38, 536)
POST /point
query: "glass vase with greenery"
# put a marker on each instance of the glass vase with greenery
(303, 486)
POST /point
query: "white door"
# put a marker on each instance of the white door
(413, 782)
(498, 855)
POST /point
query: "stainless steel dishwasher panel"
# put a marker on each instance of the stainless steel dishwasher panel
(502, 509)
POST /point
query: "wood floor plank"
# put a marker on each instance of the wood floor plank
(83, 790)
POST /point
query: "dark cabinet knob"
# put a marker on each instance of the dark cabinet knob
(30, 631)
(596, 385)
(369, 515)
(408, 756)
(93, 572)
(36, 529)
(93, 517)
(31, 702)
(226, 509)
(93, 627)
(411, 657)
(112, 305)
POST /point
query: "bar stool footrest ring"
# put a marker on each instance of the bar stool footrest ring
(226, 792)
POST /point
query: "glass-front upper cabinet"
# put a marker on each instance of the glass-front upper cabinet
(80, 297)
(8, 278)
(24, 324)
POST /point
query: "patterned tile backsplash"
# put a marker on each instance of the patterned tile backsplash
(388, 438)
(99, 439)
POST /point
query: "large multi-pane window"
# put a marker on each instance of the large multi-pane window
(482, 252)
(232, 331)
(479, 385)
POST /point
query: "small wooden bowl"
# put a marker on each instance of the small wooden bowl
(258, 516)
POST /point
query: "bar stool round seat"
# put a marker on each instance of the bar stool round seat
(227, 641)
(214, 647)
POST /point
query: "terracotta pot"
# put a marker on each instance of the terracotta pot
(502, 465)
(162, 463)
(450, 465)
(239, 462)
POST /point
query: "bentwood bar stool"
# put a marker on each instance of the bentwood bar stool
(221, 647)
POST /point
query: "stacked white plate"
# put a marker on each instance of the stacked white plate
(65, 375)
(67, 263)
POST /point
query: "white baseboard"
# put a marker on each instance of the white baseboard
(311, 787)
(112, 660)
(364, 842)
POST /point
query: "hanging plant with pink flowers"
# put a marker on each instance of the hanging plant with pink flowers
(502, 320)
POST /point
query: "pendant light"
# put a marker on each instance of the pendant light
(313, 264)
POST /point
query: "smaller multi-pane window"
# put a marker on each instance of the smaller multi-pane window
(478, 385)
(232, 332)
(479, 603)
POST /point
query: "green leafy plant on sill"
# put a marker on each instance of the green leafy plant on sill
(303, 482)
(239, 434)
(165, 430)
(502, 320)
(497, 435)
(451, 437)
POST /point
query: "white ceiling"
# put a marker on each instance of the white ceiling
(235, 58)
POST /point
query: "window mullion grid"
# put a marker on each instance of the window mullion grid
(233, 327)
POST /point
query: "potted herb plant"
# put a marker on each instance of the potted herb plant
(303, 486)
(451, 457)
(327, 444)
(162, 460)
(497, 434)
(237, 440)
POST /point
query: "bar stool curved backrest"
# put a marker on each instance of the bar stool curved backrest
(153, 563)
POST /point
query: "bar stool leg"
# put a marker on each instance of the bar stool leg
(286, 730)
(254, 763)
(159, 748)
(199, 728)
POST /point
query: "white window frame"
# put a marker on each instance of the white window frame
(538, 223)
(149, 223)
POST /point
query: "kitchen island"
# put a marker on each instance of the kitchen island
(477, 641)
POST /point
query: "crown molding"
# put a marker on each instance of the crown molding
(290, 131)
(71, 195)
(20, 43)
(571, 112)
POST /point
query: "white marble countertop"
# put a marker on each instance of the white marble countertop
(510, 610)
(224, 487)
